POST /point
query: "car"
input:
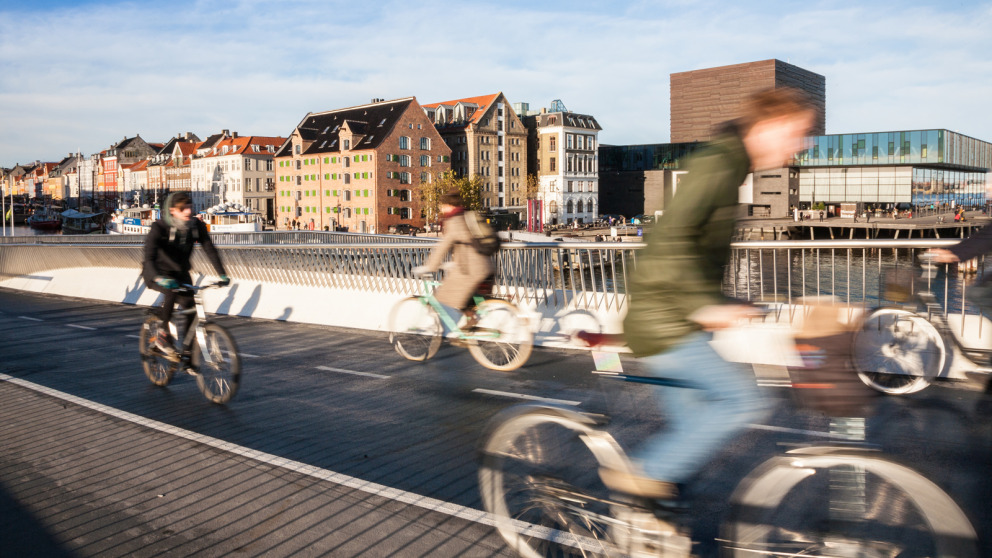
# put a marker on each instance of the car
(617, 219)
(403, 228)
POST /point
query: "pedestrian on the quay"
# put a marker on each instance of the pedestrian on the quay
(821, 215)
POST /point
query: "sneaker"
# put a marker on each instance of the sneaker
(164, 345)
(639, 485)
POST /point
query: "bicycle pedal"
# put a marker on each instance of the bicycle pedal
(642, 534)
(192, 371)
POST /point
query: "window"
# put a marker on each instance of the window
(346, 144)
(347, 178)
(569, 141)
(425, 143)
(297, 148)
(404, 142)
(404, 160)
(551, 143)
(551, 165)
(347, 195)
(347, 161)
(425, 160)
(404, 178)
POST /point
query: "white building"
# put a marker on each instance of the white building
(236, 169)
(564, 153)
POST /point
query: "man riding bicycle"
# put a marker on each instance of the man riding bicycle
(677, 300)
(166, 265)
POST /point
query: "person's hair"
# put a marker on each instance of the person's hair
(180, 198)
(772, 103)
(453, 197)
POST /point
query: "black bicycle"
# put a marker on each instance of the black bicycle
(207, 351)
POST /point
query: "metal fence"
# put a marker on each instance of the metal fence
(243, 239)
(559, 275)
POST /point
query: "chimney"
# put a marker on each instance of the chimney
(226, 133)
(234, 135)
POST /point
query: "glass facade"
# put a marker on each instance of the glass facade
(656, 156)
(919, 167)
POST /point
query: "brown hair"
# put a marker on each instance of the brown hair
(453, 197)
(772, 103)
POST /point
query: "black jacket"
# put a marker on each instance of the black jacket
(168, 250)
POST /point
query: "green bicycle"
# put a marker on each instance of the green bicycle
(500, 340)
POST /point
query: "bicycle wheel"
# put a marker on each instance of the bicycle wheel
(501, 340)
(158, 369)
(898, 352)
(539, 477)
(414, 329)
(825, 502)
(218, 380)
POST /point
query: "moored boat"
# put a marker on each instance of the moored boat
(75, 222)
(44, 219)
(231, 217)
(133, 220)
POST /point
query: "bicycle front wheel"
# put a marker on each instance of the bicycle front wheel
(414, 329)
(824, 502)
(539, 477)
(158, 369)
(501, 340)
(220, 378)
(898, 352)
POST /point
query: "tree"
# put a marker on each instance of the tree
(532, 186)
(432, 192)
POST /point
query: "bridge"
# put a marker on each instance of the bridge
(335, 445)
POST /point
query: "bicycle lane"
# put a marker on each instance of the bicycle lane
(103, 482)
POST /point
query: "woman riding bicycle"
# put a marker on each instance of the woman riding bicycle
(167, 252)
(469, 272)
(677, 299)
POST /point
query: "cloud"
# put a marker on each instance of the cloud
(84, 77)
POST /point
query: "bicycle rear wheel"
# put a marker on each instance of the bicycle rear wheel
(501, 340)
(539, 477)
(414, 329)
(158, 369)
(823, 502)
(220, 379)
(898, 352)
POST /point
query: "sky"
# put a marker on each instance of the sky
(83, 75)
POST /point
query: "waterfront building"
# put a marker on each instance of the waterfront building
(702, 100)
(136, 183)
(563, 154)
(487, 139)
(110, 190)
(359, 167)
(885, 169)
(640, 179)
(236, 169)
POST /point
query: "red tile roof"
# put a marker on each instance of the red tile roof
(483, 101)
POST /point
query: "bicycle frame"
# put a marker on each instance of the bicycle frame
(197, 326)
(429, 299)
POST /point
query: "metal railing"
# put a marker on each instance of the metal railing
(557, 275)
(248, 239)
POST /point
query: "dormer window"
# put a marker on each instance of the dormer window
(347, 144)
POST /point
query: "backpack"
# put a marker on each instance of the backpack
(484, 238)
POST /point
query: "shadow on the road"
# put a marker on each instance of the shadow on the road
(23, 535)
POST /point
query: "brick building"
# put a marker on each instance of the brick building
(701, 100)
(359, 167)
(486, 139)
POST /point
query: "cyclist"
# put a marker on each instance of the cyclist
(469, 272)
(166, 265)
(677, 299)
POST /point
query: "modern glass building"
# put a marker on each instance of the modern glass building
(917, 167)
(654, 156)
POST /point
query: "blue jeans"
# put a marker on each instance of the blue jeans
(701, 421)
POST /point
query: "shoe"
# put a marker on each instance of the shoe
(163, 345)
(639, 485)
(192, 371)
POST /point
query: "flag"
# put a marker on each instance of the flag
(9, 212)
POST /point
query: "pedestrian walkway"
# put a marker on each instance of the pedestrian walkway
(75, 481)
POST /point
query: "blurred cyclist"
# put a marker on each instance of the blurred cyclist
(166, 266)
(677, 298)
(469, 271)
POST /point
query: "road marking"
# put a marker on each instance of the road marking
(30, 318)
(246, 355)
(409, 498)
(525, 396)
(133, 336)
(81, 327)
(353, 372)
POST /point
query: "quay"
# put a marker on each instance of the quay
(933, 226)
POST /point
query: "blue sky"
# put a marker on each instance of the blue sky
(85, 74)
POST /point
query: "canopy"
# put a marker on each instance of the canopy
(73, 214)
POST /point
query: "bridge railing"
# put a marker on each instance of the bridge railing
(557, 275)
(246, 238)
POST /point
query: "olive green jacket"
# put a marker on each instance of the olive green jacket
(681, 268)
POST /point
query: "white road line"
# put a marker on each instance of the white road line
(133, 336)
(353, 372)
(30, 318)
(81, 327)
(410, 498)
(525, 396)
(796, 431)
(246, 355)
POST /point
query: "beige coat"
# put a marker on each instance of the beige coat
(467, 269)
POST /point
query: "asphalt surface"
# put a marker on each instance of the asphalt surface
(336, 446)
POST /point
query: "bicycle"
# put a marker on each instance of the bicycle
(902, 348)
(501, 339)
(207, 351)
(538, 477)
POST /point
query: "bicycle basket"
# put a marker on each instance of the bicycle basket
(898, 284)
(827, 381)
